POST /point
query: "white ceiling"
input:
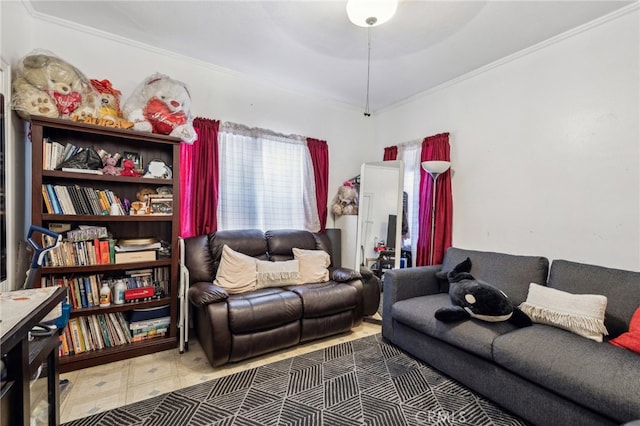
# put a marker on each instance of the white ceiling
(311, 47)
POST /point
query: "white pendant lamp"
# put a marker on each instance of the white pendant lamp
(370, 13)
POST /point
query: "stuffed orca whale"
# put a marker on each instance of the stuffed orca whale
(476, 299)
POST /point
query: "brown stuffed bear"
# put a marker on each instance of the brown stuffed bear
(46, 74)
(346, 200)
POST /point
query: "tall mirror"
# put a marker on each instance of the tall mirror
(380, 212)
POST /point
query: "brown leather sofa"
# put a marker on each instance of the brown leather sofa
(233, 327)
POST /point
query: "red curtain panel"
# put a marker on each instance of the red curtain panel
(435, 148)
(390, 153)
(199, 180)
(319, 152)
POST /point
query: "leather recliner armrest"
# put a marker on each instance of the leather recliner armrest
(366, 273)
(204, 293)
(343, 275)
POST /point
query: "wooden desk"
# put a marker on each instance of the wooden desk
(19, 312)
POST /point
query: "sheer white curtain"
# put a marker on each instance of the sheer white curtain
(409, 153)
(266, 180)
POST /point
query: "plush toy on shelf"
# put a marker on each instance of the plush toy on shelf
(109, 99)
(141, 206)
(128, 168)
(161, 105)
(44, 73)
(110, 166)
(28, 100)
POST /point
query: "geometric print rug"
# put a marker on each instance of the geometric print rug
(362, 382)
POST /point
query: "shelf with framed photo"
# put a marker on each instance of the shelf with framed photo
(103, 331)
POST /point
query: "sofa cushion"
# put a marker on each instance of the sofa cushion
(263, 310)
(246, 241)
(277, 274)
(324, 299)
(595, 375)
(472, 335)
(622, 289)
(582, 314)
(630, 339)
(237, 272)
(510, 273)
(280, 242)
(313, 265)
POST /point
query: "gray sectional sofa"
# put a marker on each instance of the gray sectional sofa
(541, 373)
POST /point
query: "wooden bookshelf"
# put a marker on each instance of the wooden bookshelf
(163, 227)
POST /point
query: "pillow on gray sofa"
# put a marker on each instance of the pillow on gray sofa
(582, 314)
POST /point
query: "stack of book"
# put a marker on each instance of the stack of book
(149, 323)
(87, 245)
(136, 250)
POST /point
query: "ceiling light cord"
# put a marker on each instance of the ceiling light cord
(366, 108)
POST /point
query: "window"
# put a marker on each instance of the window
(266, 181)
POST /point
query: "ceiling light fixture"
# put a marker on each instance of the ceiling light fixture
(370, 13)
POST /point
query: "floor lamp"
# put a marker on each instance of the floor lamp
(435, 169)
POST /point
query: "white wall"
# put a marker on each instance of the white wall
(545, 148)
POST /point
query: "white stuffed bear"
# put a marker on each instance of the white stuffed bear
(161, 105)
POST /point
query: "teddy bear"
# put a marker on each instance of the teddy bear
(141, 206)
(65, 84)
(109, 98)
(473, 298)
(128, 168)
(110, 166)
(28, 100)
(346, 200)
(161, 105)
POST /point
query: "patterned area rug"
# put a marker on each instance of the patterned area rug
(363, 382)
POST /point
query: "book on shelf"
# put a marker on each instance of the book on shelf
(87, 232)
(135, 256)
(105, 332)
(59, 227)
(52, 154)
(149, 323)
(79, 200)
(76, 337)
(93, 332)
(85, 171)
(138, 247)
(144, 314)
(47, 200)
(55, 203)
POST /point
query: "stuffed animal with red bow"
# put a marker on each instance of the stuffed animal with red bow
(161, 105)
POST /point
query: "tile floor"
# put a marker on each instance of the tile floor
(108, 386)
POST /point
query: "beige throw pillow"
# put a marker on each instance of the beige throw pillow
(237, 272)
(313, 265)
(582, 314)
(277, 274)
